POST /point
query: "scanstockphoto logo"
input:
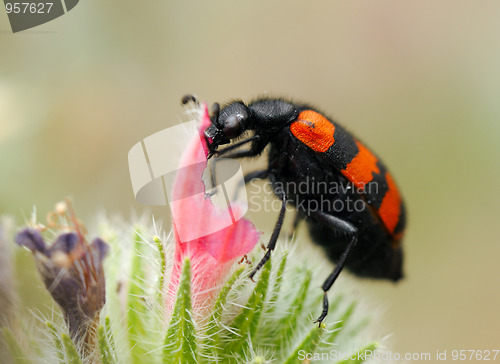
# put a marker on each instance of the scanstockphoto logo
(29, 14)
(262, 199)
(333, 196)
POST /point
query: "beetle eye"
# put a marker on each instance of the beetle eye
(233, 126)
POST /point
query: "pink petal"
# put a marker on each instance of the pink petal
(211, 254)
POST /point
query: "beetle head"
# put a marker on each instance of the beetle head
(228, 123)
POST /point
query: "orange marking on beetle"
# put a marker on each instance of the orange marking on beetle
(361, 168)
(314, 130)
(390, 208)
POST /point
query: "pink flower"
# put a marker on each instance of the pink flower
(202, 231)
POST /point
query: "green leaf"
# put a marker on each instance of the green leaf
(361, 355)
(57, 341)
(104, 348)
(72, 356)
(342, 322)
(277, 283)
(109, 334)
(180, 342)
(210, 347)
(163, 264)
(247, 322)
(136, 314)
(290, 320)
(307, 345)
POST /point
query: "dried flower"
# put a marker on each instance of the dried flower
(72, 272)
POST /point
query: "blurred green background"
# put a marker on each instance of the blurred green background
(418, 81)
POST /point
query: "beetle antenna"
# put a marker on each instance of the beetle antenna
(215, 112)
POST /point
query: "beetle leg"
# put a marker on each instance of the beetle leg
(339, 225)
(274, 237)
(245, 153)
(263, 174)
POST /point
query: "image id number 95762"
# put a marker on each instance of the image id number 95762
(474, 355)
(28, 8)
